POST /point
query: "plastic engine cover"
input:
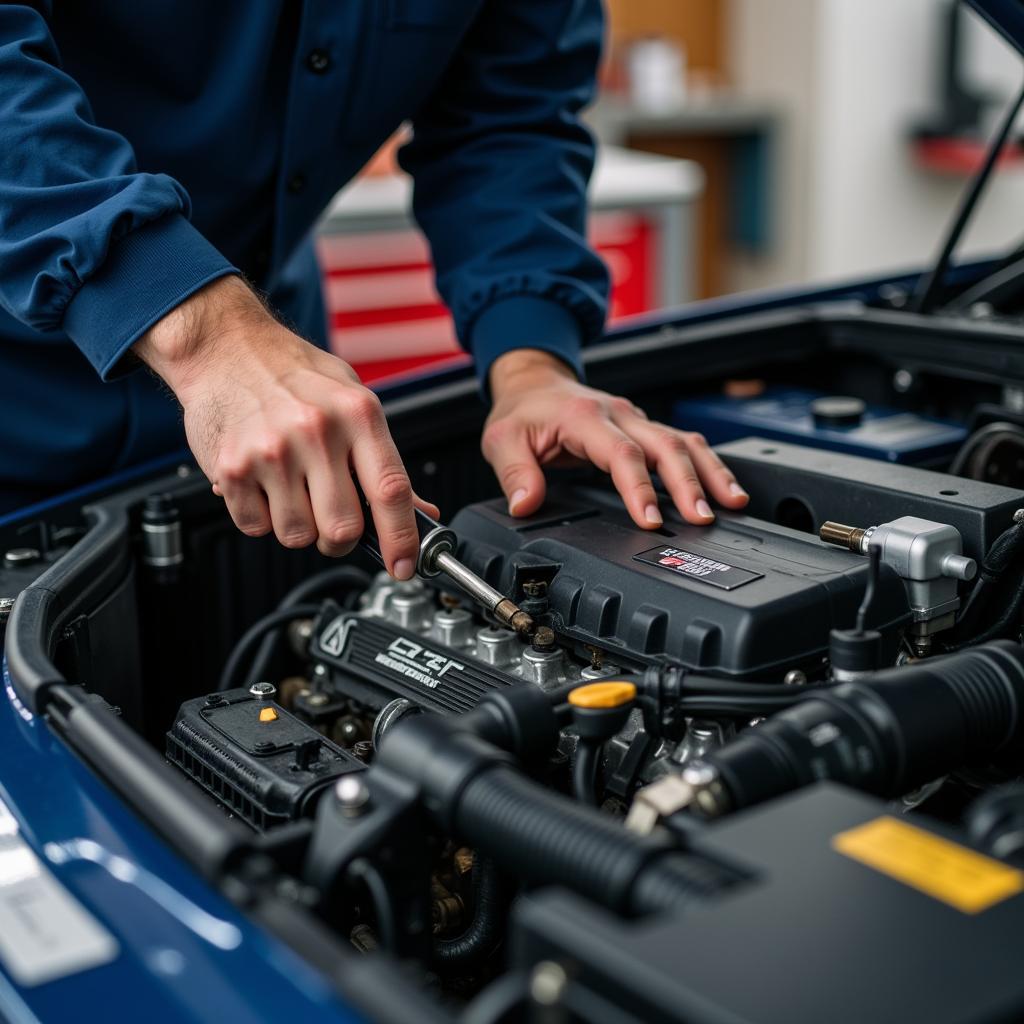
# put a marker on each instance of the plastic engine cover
(741, 598)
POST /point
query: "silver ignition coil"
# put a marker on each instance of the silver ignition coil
(927, 556)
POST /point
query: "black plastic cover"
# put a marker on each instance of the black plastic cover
(742, 598)
(872, 947)
(266, 772)
(795, 485)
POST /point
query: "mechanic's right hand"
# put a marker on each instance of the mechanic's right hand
(280, 427)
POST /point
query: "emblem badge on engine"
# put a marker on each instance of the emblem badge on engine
(335, 636)
(697, 567)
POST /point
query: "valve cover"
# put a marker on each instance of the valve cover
(741, 598)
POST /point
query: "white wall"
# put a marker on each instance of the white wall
(853, 78)
(773, 60)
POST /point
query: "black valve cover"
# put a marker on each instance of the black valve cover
(742, 597)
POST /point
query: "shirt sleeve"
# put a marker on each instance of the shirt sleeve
(501, 163)
(88, 244)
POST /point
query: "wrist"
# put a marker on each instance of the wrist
(189, 334)
(527, 369)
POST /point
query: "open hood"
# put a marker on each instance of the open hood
(1006, 16)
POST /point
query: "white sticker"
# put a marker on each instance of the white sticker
(45, 933)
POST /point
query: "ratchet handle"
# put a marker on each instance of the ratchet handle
(433, 538)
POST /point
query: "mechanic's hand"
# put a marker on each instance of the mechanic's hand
(280, 427)
(543, 416)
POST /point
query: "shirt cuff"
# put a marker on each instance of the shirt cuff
(145, 275)
(525, 321)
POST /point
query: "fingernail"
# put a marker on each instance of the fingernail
(704, 510)
(516, 498)
(653, 515)
(403, 569)
(736, 491)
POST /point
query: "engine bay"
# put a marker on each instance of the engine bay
(664, 687)
(726, 757)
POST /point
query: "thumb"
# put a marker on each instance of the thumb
(515, 464)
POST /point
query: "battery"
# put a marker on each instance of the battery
(820, 420)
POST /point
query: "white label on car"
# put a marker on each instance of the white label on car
(45, 933)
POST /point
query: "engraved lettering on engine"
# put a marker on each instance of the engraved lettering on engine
(416, 662)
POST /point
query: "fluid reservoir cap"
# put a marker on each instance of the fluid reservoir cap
(603, 695)
(838, 411)
(268, 715)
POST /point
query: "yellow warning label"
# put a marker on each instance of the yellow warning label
(963, 878)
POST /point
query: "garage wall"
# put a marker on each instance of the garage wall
(854, 75)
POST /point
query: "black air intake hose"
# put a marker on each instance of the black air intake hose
(543, 836)
(885, 734)
(474, 792)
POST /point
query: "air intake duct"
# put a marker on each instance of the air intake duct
(886, 733)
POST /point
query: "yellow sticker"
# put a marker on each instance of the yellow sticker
(963, 878)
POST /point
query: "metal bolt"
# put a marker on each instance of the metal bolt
(6, 604)
(1013, 398)
(794, 677)
(756, 720)
(1018, 516)
(214, 698)
(544, 639)
(352, 795)
(317, 700)
(363, 749)
(16, 558)
(320, 671)
(902, 381)
(263, 691)
(699, 773)
(548, 983)
(263, 745)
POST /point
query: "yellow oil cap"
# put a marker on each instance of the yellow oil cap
(268, 715)
(603, 695)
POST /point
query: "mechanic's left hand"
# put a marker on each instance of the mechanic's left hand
(542, 415)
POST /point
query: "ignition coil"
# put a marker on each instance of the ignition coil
(928, 558)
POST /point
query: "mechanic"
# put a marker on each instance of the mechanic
(157, 157)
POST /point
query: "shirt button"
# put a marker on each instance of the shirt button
(318, 61)
(296, 183)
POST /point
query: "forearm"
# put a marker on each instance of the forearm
(90, 245)
(523, 369)
(206, 325)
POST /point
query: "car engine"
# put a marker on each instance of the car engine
(737, 772)
(440, 763)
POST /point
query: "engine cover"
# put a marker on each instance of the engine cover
(741, 598)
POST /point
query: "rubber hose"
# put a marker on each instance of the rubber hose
(233, 667)
(1000, 556)
(584, 772)
(346, 577)
(487, 927)
(542, 836)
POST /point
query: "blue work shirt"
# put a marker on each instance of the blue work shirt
(147, 149)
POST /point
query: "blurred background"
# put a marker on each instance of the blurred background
(744, 144)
